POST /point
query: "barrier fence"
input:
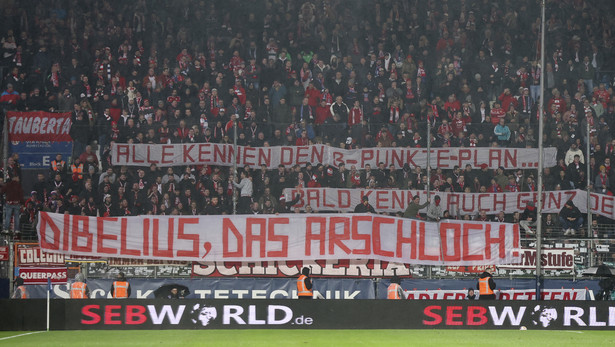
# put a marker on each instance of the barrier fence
(302, 314)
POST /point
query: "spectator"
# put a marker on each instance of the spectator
(570, 218)
(412, 211)
(14, 201)
(528, 218)
(364, 206)
(435, 211)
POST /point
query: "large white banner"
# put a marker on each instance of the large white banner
(395, 200)
(283, 237)
(509, 294)
(223, 154)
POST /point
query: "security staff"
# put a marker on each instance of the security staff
(304, 285)
(395, 291)
(20, 290)
(79, 289)
(120, 289)
(485, 286)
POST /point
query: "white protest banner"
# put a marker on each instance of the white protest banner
(283, 237)
(512, 294)
(395, 200)
(551, 259)
(222, 154)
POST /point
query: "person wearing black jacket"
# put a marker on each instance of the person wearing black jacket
(570, 218)
(528, 218)
(485, 286)
(285, 207)
(364, 206)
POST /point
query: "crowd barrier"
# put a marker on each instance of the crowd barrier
(302, 314)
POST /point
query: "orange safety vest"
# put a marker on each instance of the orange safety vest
(24, 294)
(393, 291)
(301, 288)
(54, 164)
(77, 290)
(483, 286)
(77, 170)
(120, 289)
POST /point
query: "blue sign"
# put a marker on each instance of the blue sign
(37, 154)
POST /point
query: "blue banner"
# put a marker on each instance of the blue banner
(222, 288)
(37, 154)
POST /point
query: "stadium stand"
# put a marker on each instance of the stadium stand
(351, 74)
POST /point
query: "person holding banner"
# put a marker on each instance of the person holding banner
(435, 211)
(304, 285)
(485, 286)
(79, 289)
(120, 289)
(412, 211)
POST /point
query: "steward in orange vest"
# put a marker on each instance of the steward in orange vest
(395, 292)
(78, 289)
(120, 289)
(304, 285)
(58, 165)
(485, 286)
(20, 290)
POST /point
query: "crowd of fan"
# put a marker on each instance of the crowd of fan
(344, 73)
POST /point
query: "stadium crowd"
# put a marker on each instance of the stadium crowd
(350, 74)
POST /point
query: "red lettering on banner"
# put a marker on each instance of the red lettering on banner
(464, 206)
(451, 315)
(157, 251)
(186, 149)
(101, 236)
(401, 239)
(435, 317)
(475, 312)
(87, 312)
(397, 157)
(495, 155)
(467, 256)
(122, 151)
(227, 226)
(363, 237)
(338, 157)
(324, 200)
(302, 155)
(204, 152)
(343, 198)
(367, 155)
(248, 156)
(501, 241)
(499, 205)
(522, 199)
(444, 227)
(134, 156)
(336, 239)
(410, 158)
(264, 156)
(135, 314)
(220, 154)
(422, 254)
(149, 157)
(165, 154)
(124, 250)
(286, 156)
(382, 199)
(442, 158)
(261, 237)
(485, 206)
(318, 154)
(46, 223)
(109, 314)
(463, 155)
(146, 222)
(81, 233)
(510, 158)
(376, 238)
(311, 236)
(312, 198)
(283, 239)
(182, 235)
